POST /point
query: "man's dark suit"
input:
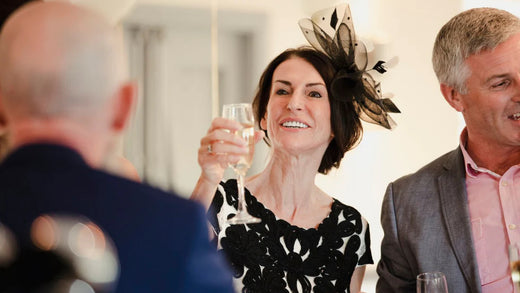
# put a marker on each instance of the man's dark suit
(161, 239)
(425, 217)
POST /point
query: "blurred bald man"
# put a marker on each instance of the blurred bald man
(63, 89)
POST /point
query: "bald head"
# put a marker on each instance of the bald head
(58, 60)
(62, 79)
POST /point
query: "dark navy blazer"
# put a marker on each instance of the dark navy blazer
(161, 239)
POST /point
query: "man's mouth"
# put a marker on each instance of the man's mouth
(515, 116)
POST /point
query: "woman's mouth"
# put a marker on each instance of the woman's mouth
(297, 124)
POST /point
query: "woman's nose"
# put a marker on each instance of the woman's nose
(296, 102)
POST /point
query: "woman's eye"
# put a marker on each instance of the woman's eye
(314, 95)
(281, 92)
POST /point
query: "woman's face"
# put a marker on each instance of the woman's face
(298, 112)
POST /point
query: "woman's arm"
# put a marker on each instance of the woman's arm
(357, 279)
(204, 191)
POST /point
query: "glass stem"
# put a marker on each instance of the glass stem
(241, 197)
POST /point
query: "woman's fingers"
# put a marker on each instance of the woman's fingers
(222, 136)
(222, 147)
(219, 148)
(223, 123)
(221, 139)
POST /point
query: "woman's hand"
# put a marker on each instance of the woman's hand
(218, 148)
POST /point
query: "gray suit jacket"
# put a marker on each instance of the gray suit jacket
(426, 223)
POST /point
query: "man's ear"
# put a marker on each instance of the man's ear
(124, 103)
(453, 97)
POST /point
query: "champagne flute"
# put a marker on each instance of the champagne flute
(243, 113)
(514, 262)
(431, 282)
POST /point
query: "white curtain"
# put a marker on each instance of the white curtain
(170, 58)
(147, 143)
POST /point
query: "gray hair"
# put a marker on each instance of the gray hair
(468, 33)
(84, 68)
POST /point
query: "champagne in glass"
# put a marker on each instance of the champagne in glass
(248, 134)
(242, 113)
(432, 282)
(514, 262)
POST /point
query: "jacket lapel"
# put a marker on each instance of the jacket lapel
(454, 202)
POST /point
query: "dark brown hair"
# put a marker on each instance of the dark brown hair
(344, 120)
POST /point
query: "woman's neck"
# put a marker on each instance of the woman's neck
(286, 187)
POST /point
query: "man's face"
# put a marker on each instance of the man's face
(491, 106)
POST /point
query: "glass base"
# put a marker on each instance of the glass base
(243, 218)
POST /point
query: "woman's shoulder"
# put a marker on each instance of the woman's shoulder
(339, 204)
(345, 210)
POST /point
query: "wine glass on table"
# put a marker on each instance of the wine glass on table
(242, 113)
(432, 282)
(514, 264)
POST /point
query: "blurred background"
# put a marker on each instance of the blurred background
(171, 43)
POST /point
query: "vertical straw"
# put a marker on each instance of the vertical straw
(214, 59)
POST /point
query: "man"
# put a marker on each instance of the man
(459, 213)
(64, 94)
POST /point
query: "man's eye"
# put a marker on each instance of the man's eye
(501, 84)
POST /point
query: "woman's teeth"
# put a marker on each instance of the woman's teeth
(296, 124)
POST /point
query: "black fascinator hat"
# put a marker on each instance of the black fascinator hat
(331, 31)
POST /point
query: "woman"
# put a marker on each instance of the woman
(308, 106)
(307, 240)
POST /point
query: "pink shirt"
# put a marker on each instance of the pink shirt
(494, 208)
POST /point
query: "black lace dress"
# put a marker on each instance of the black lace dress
(275, 256)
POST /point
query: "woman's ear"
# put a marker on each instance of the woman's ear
(263, 122)
(453, 97)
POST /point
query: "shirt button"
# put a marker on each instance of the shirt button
(512, 226)
(504, 183)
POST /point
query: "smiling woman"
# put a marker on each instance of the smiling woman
(297, 87)
(307, 239)
(308, 106)
(300, 80)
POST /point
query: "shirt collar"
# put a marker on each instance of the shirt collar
(472, 170)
